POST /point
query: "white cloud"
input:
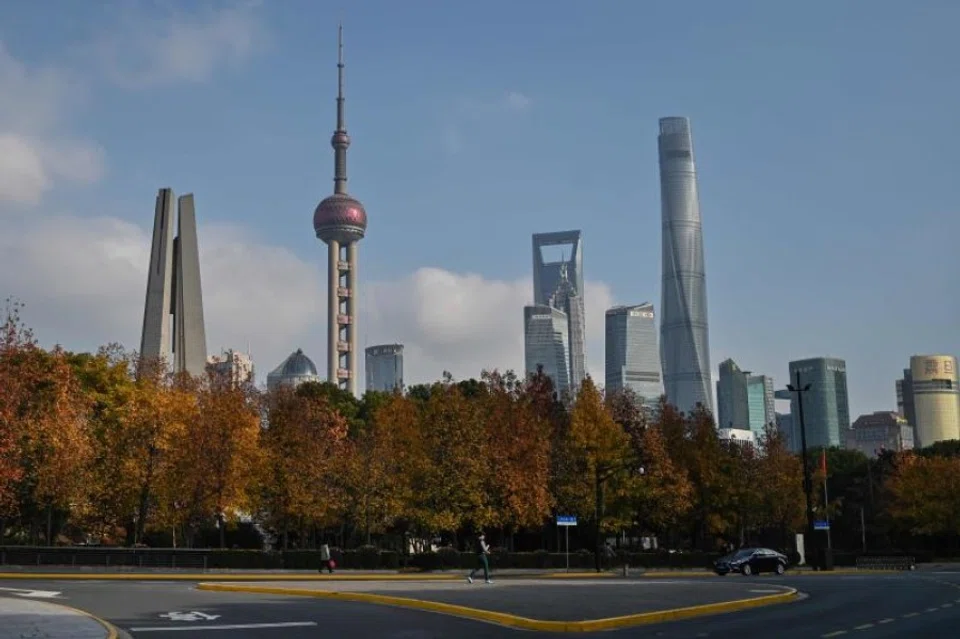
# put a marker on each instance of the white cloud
(83, 281)
(147, 50)
(33, 156)
(468, 112)
(509, 102)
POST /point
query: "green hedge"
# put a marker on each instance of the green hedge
(363, 558)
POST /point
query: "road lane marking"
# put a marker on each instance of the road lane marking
(834, 634)
(762, 591)
(932, 609)
(887, 620)
(863, 626)
(233, 626)
(947, 605)
(33, 594)
(911, 614)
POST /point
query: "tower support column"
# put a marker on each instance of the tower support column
(333, 309)
(354, 261)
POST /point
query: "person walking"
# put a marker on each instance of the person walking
(326, 561)
(483, 549)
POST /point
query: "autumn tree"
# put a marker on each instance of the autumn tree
(212, 473)
(925, 495)
(387, 464)
(702, 456)
(602, 451)
(304, 447)
(781, 485)
(453, 492)
(54, 441)
(15, 341)
(519, 442)
(662, 494)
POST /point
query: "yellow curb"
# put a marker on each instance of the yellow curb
(514, 621)
(112, 632)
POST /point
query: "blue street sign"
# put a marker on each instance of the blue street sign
(566, 520)
(821, 525)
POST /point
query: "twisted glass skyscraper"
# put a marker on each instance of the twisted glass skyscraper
(684, 344)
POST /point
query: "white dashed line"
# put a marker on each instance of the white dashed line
(932, 609)
(911, 614)
(863, 626)
(947, 605)
(887, 620)
(834, 634)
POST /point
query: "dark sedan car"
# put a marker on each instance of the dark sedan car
(751, 561)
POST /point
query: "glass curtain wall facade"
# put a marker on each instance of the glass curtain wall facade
(733, 408)
(761, 403)
(384, 367)
(546, 340)
(684, 341)
(632, 356)
(826, 407)
(559, 284)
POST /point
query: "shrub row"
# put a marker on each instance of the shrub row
(363, 558)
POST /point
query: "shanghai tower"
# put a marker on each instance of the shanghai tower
(684, 341)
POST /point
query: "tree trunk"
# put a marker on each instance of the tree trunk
(50, 525)
(221, 524)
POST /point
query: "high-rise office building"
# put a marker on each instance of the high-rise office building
(733, 408)
(341, 222)
(546, 342)
(760, 403)
(384, 367)
(905, 405)
(883, 430)
(173, 289)
(632, 355)
(826, 407)
(684, 340)
(231, 367)
(786, 428)
(559, 284)
(936, 398)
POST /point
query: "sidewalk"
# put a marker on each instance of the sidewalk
(29, 619)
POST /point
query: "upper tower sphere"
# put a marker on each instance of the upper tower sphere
(340, 217)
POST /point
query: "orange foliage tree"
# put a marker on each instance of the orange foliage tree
(454, 490)
(15, 339)
(387, 464)
(519, 445)
(211, 473)
(305, 457)
(925, 494)
(781, 485)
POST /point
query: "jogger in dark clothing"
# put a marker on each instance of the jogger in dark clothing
(482, 551)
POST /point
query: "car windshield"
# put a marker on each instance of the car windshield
(740, 554)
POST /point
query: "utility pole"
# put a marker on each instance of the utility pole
(807, 480)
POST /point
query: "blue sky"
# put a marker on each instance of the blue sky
(824, 134)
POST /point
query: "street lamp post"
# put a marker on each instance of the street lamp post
(807, 481)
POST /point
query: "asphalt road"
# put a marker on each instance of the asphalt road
(865, 606)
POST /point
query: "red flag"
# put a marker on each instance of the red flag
(823, 461)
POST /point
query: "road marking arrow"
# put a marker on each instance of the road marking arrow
(193, 615)
(35, 594)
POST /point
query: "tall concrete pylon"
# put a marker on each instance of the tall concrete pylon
(173, 326)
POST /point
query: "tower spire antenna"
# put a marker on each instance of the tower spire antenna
(340, 140)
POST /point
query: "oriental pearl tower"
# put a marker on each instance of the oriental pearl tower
(341, 221)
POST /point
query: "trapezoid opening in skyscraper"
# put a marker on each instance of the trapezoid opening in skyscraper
(173, 327)
(684, 335)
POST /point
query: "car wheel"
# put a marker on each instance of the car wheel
(746, 570)
(780, 568)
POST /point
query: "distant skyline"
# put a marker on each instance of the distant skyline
(825, 138)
